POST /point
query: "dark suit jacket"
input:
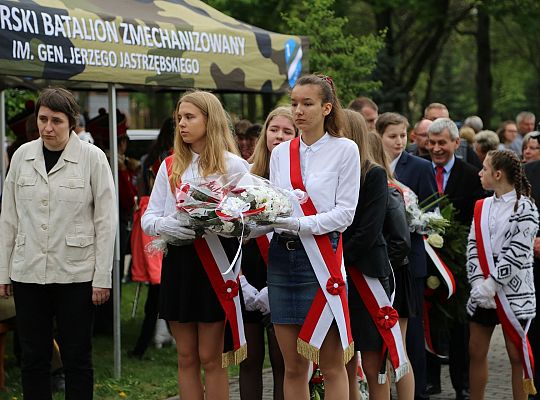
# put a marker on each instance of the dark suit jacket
(532, 170)
(418, 175)
(364, 246)
(463, 189)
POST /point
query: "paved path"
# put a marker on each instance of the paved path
(499, 386)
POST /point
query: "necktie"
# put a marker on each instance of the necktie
(439, 178)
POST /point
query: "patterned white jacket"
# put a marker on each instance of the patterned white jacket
(514, 266)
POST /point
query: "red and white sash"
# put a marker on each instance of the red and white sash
(445, 272)
(510, 324)
(385, 317)
(263, 243)
(330, 302)
(225, 284)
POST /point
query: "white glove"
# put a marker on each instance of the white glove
(484, 294)
(289, 223)
(250, 294)
(172, 227)
(262, 302)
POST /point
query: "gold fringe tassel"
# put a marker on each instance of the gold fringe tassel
(528, 386)
(307, 350)
(348, 353)
(234, 357)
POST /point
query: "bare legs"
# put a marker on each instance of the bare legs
(199, 345)
(405, 386)
(371, 363)
(296, 366)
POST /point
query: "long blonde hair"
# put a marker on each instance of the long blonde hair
(261, 155)
(218, 135)
(379, 155)
(355, 128)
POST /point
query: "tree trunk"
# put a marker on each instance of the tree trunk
(484, 80)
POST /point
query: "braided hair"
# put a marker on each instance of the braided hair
(508, 162)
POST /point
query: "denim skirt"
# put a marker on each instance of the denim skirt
(292, 283)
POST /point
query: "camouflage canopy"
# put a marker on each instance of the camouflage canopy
(172, 43)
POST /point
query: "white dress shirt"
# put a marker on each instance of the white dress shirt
(500, 212)
(162, 201)
(331, 174)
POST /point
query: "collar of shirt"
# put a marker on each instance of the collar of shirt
(506, 198)
(447, 167)
(394, 162)
(315, 146)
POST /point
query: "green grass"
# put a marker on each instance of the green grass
(153, 378)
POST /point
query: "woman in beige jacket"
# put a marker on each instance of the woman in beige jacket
(57, 231)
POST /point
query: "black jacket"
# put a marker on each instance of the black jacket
(364, 246)
(396, 229)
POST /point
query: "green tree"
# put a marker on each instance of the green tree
(348, 59)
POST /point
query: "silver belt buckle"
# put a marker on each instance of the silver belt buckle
(291, 243)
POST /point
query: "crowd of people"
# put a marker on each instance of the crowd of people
(339, 284)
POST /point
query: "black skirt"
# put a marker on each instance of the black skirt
(405, 299)
(186, 294)
(254, 268)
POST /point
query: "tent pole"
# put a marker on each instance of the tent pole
(116, 264)
(3, 165)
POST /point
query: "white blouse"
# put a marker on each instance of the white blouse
(162, 201)
(500, 212)
(331, 174)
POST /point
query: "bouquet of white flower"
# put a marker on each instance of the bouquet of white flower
(420, 220)
(229, 206)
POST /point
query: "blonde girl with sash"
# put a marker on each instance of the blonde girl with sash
(200, 303)
(499, 268)
(306, 277)
(278, 128)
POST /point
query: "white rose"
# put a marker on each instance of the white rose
(433, 282)
(435, 240)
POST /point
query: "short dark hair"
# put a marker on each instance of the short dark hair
(361, 102)
(59, 100)
(389, 118)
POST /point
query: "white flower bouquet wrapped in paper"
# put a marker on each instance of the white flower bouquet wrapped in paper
(421, 220)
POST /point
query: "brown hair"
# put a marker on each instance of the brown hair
(61, 100)
(389, 118)
(502, 129)
(361, 102)
(333, 122)
(508, 162)
(219, 138)
(356, 129)
(261, 154)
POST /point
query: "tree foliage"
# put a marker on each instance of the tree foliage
(348, 59)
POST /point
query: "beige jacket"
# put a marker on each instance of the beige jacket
(58, 227)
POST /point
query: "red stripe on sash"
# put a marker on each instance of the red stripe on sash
(264, 245)
(220, 287)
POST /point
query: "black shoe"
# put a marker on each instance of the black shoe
(433, 389)
(463, 395)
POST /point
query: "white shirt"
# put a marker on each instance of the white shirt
(331, 174)
(500, 212)
(162, 201)
(394, 162)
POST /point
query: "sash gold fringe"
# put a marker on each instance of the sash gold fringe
(234, 357)
(528, 386)
(307, 350)
(401, 371)
(348, 353)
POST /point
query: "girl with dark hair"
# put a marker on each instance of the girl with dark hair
(308, 298)
(499, 268)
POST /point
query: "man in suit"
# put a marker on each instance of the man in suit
(460, 182)
(417, 174)
(532, 170)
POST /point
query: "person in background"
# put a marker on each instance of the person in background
(417, 174)
(485, 142)
(474, 122)
(436, 110)
(368, 108)
(326, 165)
(419, 136)
(525, 123)
(531, 147)
(80, 130)
(57, 236)
(147, 267)
(467, 133)
(507, 133)
(246, 138)
(192, 285)
(500, 253)
(278, 128)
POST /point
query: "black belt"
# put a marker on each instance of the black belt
(291, 242)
